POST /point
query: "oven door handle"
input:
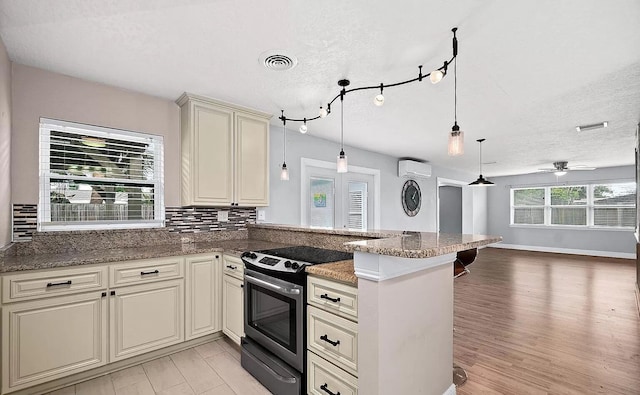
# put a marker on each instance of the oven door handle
(257, 281)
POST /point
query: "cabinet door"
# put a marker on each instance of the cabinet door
(51, 338)
(145, 318)
(203, 294)
(233, 307)
(211, 178)
(252, 160)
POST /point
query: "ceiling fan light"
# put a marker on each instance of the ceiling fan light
(560, 173)
(456, 141)
(284, 173)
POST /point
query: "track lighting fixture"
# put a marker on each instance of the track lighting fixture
(379, 99)
(456, 136)
(284, 172)
(341, 163)
(303, 127)
(481, 181)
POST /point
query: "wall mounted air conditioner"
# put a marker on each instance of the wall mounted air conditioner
(413, 169)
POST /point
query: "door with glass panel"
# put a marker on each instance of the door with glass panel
(339, 200)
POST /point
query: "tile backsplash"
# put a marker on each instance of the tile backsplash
(177, 219)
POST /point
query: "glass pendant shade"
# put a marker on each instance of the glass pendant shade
(456, 141)
(378, 100)
(342, 163)
(284, 173)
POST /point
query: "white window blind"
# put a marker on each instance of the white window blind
(356, 210)
(95, 178)
(594, 205)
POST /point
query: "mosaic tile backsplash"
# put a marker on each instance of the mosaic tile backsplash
(177, 219)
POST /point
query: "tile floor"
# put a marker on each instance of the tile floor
(211, 369)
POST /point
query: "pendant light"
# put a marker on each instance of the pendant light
(481, 181)
(341, 163)
(284, 172)
(456, 137)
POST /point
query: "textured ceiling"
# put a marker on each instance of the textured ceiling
(528, 71)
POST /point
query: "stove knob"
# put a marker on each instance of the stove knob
(253, 255)
(287, 264)
(246, 255)
(295, 265)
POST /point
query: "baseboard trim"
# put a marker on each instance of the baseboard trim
(114, 366)
(606, 254)
(638, 297)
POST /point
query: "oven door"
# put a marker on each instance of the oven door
(273, 316)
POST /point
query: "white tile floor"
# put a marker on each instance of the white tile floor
(211, 369)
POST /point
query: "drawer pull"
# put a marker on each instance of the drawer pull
(56, 284)
(325, 389)
(326, 338)
(232, 267)
(326, 296)
(147, 273)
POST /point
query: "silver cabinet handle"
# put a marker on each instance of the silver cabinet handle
(292, 291)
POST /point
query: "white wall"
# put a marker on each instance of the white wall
(285, 204)
(5, 147)
(39, 93)
(614, 241)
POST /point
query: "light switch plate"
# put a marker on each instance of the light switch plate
(223, 216)
(262, 215)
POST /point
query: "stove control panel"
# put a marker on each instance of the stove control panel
(272, 262)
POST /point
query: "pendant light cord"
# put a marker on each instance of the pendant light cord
(284, 139)
(480, 159)
(342, 121)
(455, 90)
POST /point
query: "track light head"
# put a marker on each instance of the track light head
(323, 113)
(303, 127)
(379, 99)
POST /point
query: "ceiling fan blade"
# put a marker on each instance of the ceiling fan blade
(548, 169)
(574, 168)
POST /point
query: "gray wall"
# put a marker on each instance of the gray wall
(450, 209)
(285, 195)
(5, 147)
(39, 93)
(578, 239)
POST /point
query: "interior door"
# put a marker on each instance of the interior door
(450, 209)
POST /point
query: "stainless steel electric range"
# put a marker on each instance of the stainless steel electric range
(273, 349)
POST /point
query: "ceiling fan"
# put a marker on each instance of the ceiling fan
(560, 168)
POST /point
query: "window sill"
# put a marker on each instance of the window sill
(569, 227)
(48, 227)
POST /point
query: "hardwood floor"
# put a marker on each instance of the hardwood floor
(542, 323)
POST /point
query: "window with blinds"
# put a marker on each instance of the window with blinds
(595, 205)
(98, 178)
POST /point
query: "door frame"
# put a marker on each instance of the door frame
(467, 203)
(304, 192)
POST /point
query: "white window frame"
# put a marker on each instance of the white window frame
(590, 206)
(44, 223)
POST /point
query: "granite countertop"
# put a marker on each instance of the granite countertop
(405, 244)
(46, 261)
(422, 244)
(341, 271)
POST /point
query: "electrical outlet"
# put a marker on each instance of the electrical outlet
(262, 215)
(223, 216)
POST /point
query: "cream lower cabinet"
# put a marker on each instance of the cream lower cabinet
(145, 318)
(225, 153)
(233, 297)
(203, 293)
(332, 337)
(46, 339)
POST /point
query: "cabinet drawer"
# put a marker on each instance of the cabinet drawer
(147, 271)
(233, 266)
(324, 378)
(340, 299)
(56, 282)
(333, 338)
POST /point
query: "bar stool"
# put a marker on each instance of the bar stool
(463, 259)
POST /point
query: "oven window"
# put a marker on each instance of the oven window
(274, 315)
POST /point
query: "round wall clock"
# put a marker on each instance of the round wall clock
(411, 198)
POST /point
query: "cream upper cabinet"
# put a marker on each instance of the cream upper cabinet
(203, 294)
(225, 154)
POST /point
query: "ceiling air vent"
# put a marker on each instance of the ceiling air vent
(278, 60)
